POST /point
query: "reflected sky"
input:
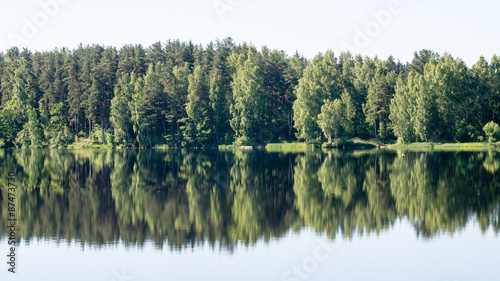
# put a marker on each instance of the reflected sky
(395, 254)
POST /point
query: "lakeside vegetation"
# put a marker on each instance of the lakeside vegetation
(448, 146)
(179, 94)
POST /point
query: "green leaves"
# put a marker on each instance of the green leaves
(380, 93)
(336, 118)
(492, 131)
(320, 82)
(181, 94)
(247, 109)
(198, 129)
(121, 117)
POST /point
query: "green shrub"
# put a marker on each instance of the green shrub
(492, 130)
(288, 147)
(465, 133)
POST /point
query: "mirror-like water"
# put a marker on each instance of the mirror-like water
(186, 215)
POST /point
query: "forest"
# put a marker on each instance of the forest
(178, 94)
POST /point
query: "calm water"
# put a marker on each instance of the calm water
(207, 215)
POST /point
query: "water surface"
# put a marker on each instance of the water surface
(252, 215)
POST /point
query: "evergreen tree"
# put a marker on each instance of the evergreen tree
(377, 106)
(151, 125)
(218, 106)
(76, 111)
(493, 100)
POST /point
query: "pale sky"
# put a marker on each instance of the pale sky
(465, 29)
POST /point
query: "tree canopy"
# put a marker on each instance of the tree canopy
(181, 94)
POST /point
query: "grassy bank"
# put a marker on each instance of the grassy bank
(354, 144)
(445, 146)
(289, 147)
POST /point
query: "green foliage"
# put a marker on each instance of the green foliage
(492, 131)
(180, 94)
(121, 117)
(97, 136)
(198, 128)
(247, 109)
(319, 83)
(31, 135)
(403, 110)
(7, 129)
(336, 118)
(465, 133)
(61, 138)
(330, 119)
(378, 100)
(218, 106)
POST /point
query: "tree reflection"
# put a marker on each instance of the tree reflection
(184, 198)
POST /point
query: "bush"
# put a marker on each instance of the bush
(491, 130)
(61, 138)
(109, 138)
(465, 133)
(98, 138)
(242, 141)
(316, 143)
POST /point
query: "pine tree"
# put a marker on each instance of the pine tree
(218, 107)
(75, 112)
(377, 106)
(177, 83)
(152, 120)
(493, 101)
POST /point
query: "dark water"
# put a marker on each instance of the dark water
(186, 215)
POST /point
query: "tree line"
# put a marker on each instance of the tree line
(181, 94)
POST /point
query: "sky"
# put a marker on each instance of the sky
(464, 29)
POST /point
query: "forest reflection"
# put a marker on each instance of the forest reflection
(184, 198)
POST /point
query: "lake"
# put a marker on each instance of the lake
(131, 215)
